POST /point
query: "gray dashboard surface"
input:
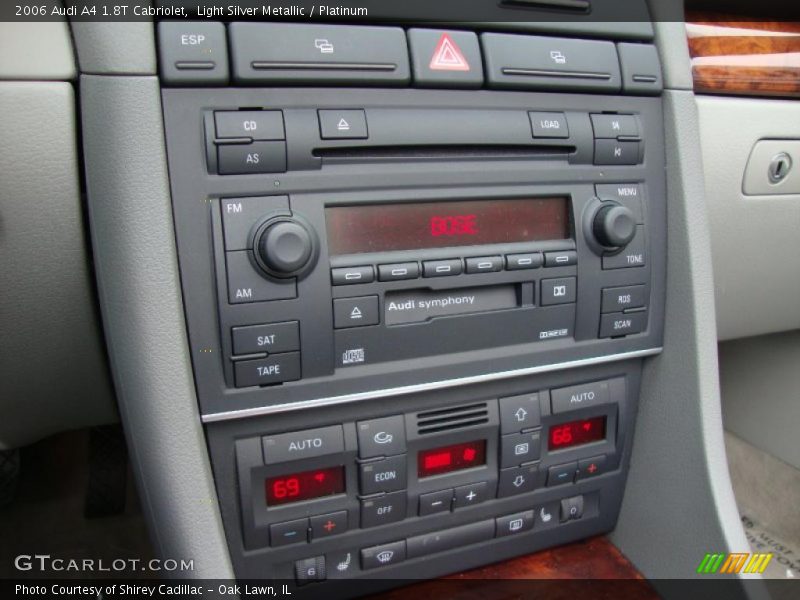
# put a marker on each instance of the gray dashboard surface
(134, 248)
(53, 371)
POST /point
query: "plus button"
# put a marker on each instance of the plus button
(329, 526)
(471, 495)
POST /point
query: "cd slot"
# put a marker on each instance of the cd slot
(441, 152)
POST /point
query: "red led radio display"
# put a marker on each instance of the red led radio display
(451, 458)
(577, 433)
(418, 225)
(304, 486)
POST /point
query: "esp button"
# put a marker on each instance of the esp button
(193, 52)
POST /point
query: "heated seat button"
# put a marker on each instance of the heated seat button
(288, 532)
(381, 437)
(342, 124)
(513, 524)
(484, 264)
(355, 312)
(558, 474)
(323, 526)
(387, 475)
(474, 493)
(441, 268)
(271, 337)
(590, 467)
(310, 569)
(383, 555)
(559, 291)
(398, 271)
(266, 371)
(571, 508)
(389, 508)
(519, 448)
(435, 502)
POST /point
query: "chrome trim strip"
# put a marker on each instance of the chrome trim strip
(423, 387)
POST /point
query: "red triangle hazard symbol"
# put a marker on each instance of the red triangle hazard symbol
(447, 56)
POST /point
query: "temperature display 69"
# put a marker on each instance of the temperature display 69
(304, 486)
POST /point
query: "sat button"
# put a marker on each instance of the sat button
(272, 338)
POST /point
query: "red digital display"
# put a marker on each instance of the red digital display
(418, 225)
(576, 433)
(451, 458)
(304, 486)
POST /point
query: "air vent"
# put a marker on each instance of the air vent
(566, 5)
(448, 419)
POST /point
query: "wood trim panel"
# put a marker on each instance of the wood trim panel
(744, 58)
(563, 569)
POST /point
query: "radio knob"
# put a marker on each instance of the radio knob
(614, 225)
(285, 247)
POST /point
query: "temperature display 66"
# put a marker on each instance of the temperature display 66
(577, 433)
(304, 486)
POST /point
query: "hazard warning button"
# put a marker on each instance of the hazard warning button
(445, 58)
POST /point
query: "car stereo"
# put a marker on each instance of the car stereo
(417, 317)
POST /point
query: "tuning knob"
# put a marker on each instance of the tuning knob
(614, 225)
(284, 246)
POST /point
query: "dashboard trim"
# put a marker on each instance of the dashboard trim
(424, 387)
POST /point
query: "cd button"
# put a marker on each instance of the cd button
(398, 271)
(485, 264)
(441, 268)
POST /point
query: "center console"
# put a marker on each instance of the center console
(421, 270)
